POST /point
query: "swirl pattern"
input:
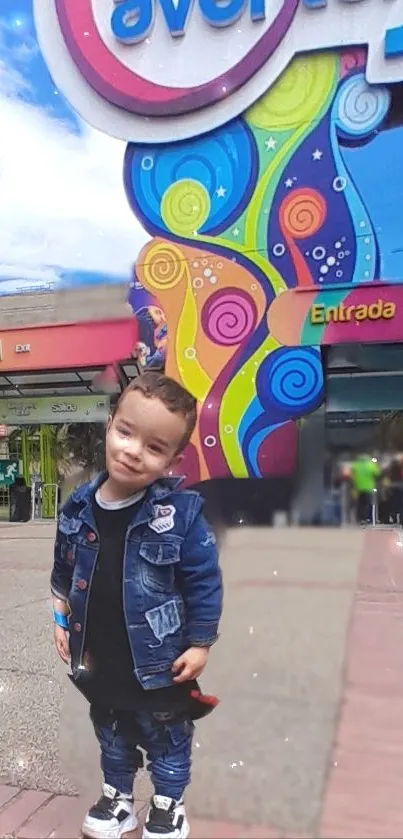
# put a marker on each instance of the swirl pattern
(296, 378)
(302, 213)
(200, 185)
(360, 109)
(296, 96)
(165, 267)
(275, 204)
(351, 59)
(229, 317)
(291, 380)
(185, 207)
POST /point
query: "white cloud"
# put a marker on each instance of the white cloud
(11, 81)
(62, 201)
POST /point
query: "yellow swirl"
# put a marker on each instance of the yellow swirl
(297, 94)
(165, 267)
(185, 206)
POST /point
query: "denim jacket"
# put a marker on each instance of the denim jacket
(172, 587)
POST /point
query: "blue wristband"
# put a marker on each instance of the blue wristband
(60, 619)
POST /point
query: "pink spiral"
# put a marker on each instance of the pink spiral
(229, 316)
(352, 58)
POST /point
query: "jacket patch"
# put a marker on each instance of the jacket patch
(164, 620)
(208, 540)
(163, 519)
(69, 525)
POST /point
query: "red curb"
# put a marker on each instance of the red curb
(69, 826)
(204, 829)
(29, 814)
(47, 820)
(364, 792)
(16, 812)
(259, 832)
(6, 793)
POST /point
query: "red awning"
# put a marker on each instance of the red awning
(64, 346)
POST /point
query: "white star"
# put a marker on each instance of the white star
(221, 192)
(270, 144)
(235, 231)
(317, 154)
(288, 183)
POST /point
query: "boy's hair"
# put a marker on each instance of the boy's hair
(176, 398)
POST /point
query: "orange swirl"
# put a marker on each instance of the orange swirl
(302, 214)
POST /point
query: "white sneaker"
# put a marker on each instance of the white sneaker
(166, 819)
(111, 817)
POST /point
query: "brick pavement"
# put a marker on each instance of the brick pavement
(363, 791)
(29, 814)
(34, 815)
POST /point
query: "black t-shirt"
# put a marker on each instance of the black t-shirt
(111, 682)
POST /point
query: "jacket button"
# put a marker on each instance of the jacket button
(82, 584)
(92, 537)
(77, 627)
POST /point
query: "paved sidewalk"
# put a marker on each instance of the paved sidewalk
(352, 756)
(30, 814)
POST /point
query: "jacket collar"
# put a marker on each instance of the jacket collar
(159, 489)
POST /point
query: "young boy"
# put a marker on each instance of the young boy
(137, 600)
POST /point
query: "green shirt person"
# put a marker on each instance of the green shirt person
(365, 473)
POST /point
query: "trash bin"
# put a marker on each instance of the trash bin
(20, 501)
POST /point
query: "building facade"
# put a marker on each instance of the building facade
(264, 161)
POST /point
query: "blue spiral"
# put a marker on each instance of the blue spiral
(290, 382)
(224, 162)
(359, 109)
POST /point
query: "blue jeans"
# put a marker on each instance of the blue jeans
(168, 747)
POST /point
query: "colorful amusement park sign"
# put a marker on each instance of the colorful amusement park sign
(137, 69)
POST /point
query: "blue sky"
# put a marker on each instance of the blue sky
(64, 217)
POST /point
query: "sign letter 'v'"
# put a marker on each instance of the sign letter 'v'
(176, 14)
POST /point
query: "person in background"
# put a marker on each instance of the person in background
(365, 473)
(20, 501)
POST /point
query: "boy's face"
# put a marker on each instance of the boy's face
(142, 441)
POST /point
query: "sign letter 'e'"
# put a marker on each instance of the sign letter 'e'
(221, 15)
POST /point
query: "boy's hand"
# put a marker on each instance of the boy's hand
(191, 664)
(62, 642)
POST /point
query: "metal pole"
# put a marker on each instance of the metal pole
(344, 504)
(55, 507)
(374, 508)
